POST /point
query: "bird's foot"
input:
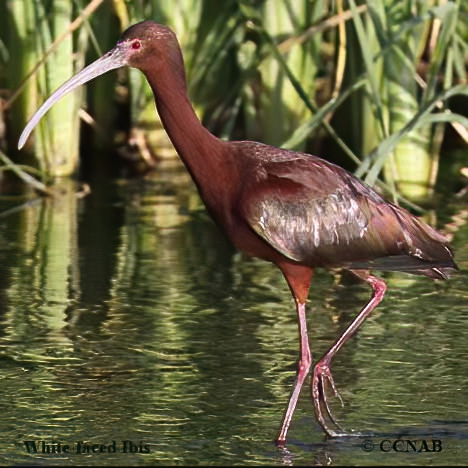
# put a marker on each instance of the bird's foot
(322, 375)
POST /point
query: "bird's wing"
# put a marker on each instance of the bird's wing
(316, 213)
(304, 210)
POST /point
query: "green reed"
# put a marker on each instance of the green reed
(375, 77)
(33, 27)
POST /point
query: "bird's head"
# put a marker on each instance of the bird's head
(145, 46)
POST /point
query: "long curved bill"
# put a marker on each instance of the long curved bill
(115, 58)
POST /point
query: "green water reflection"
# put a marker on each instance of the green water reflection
(126, 316)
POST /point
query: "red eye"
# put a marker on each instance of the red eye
(136, 45)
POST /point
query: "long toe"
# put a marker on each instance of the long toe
(321, 376)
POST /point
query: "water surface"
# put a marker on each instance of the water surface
(132, 332)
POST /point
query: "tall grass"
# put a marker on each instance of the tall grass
(273, 108)
(376, 77)
(32, 27)
(402, 37)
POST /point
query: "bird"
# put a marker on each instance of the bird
(290, 208)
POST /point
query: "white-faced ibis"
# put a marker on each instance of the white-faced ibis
(289, 208)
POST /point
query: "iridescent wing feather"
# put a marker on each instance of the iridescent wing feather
(345, 223)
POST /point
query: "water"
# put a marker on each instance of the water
(132, 333)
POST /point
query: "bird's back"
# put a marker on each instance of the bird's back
(317, 214)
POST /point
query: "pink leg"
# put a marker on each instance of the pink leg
(302, 372)
(322, 371)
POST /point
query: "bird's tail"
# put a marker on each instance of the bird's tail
(431, 251)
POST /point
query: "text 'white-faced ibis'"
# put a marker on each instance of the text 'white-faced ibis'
(293, 209)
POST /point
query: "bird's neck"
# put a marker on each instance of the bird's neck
(201, 151)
